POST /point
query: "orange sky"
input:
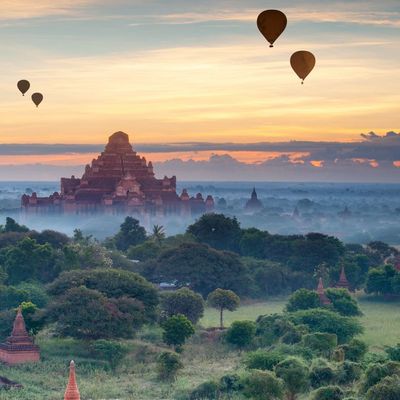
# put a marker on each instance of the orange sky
(195, 74)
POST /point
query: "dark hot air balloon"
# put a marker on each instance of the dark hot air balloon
(37, 98)
(271, 24)
(23, 86)
(302, 62)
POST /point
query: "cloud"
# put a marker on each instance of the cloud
(26, 9)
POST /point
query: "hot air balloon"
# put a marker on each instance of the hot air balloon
(37, 98)
(23, 86)
(271, 24)
(302, 62)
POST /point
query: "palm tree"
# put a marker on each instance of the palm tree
(158, 234)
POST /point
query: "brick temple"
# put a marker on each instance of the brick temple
(19, 347)
(119, 181)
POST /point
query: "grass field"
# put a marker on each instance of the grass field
(136, 378)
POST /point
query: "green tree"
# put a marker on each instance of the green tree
(145, 251)
(12, 226)
(183, 301)
(241, 333)
(329, 393)
(168, 365)
(303, 299)
(111, 351)
(218, 231)
(113, 283)
(199, 266)
(294, 372)
(158, 234)
(387, 389)
(263, 385)
(393, 352)
(342, 302)
(322, 343)
(262, 359)
(84, 313)
(252, 243)
(177, 329)
(130, 234)
(223, 300)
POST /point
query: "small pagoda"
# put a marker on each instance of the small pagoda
(253, 204)
(72, 391)
(19, 347)
(343, 283)
(321, 293)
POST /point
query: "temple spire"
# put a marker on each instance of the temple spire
(19, 328)
(343, 282)
(321, 293)
(72, 391)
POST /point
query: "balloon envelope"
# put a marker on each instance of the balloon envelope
(23, 86)
(271, 24)
(302, 62)
(37, 98)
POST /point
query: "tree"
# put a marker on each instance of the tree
(12, 226)
(183, 301)
(223, 300)
(241, 333)
(387, 389)
(295, 374)
(263, 385)
(113, 352)
(144, 251)
(55, 239)
(380, 280)
(262, 359)
(218, 231)
(158, 234)
(342, 302)
(393, 352)
(303, 299)
(112, 283)
(168, 365)
(252, 243)
(199, 266)
(321, 320)
(84, 313)
(355, 350)
(177, 329)
(322, 343)
(130, 234)
(329, 393)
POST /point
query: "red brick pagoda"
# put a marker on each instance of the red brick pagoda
(321, 293)
(19, 347)
(343, 283)
(72, 391)
(119, 181)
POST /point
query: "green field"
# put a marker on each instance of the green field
(136, 378)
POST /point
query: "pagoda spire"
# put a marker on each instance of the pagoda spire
(343, 282)
(19, 328)
(72, 391)
(321, 293)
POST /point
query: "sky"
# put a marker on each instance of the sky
(190, 80)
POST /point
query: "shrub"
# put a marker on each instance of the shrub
(111, 351)
(320, 320)
(183, 301)
(263, 385)
(205, 391)
(376, 372)
(168, 365)
(387, 389)
(262, 360)
(349, 372)
(303, 299)
(294, 372)
(241, 333)
(342, 302)
(329, 393)
(394, 352)
(229, 384)
(321, 374)
(355, 350)
(177, 330)
(322, 343)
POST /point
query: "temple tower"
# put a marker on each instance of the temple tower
(343, 283)
(72, 391)
(321, 293)
(19, 347)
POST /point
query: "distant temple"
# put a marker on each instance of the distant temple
(343, 283)
(254, 204)
(323, 298)
(19, 347)
(119, 181)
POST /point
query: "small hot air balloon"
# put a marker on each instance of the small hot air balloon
(302, 62)
(271, 24)
(37, 98)
(23, 86)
